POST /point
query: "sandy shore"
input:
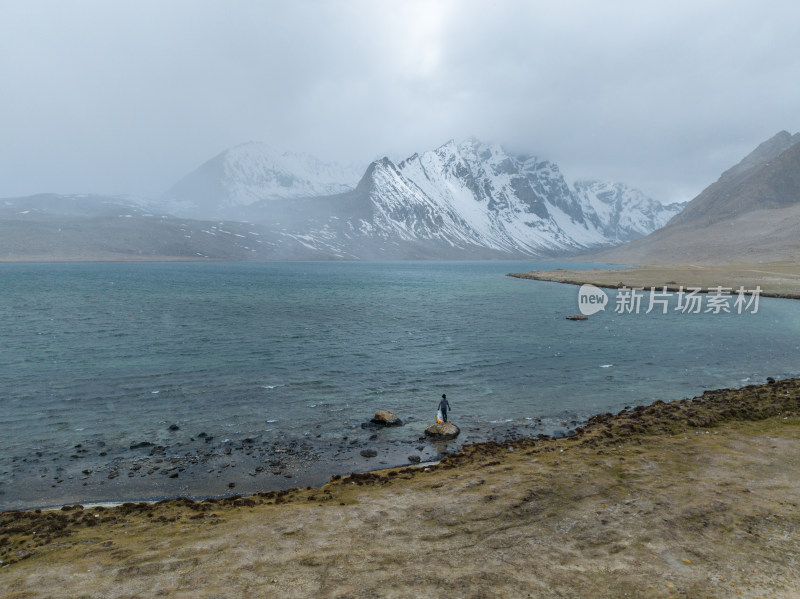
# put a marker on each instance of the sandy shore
(694, 498)
(778, 279)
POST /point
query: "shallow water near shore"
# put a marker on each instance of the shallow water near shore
(268, 370)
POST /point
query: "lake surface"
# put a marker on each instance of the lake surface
(97, 358)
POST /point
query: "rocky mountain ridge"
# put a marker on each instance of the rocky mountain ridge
(471, 197)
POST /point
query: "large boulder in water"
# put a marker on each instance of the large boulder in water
(386, 418)
(442, 430)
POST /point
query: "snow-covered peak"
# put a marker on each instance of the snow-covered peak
(476, 192)
(252, 172)
(622, 213)
(267, 173)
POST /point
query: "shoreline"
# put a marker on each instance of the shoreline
(105, 505)
(511, 437)
(694, 497)
(248, 455)
(778, 280)
(205, 467)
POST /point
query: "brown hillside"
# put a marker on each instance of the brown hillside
(751, 214)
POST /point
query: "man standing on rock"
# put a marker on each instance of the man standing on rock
(443, 407)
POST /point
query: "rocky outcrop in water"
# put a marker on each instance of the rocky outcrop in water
(442, 430)
(383, 418)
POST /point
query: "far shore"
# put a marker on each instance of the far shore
(95, 259)
(777, 279)
(691, 498)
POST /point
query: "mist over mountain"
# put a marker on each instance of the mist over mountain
(252, 172)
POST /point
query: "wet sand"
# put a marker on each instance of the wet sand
(692, 498)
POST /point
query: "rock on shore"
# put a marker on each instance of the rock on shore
(386, 418)
(442, 430)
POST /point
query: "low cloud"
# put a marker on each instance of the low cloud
(128, 97)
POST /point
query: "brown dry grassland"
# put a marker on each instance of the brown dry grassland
(776, 279)
(693, 498)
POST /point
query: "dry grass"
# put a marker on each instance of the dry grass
(689, 499)
(777, 279)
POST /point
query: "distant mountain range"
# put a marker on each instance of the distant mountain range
(467, 200)
(750, 214)
(460, 201)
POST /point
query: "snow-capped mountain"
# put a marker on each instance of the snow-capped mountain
(622, 213)
(463, 200)
(466, 200)
(253, 172)
(475, 193)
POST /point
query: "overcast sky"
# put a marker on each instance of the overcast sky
(128, 97)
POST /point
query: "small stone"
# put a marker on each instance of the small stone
(174, 427)
(368, 453)
(414, 458)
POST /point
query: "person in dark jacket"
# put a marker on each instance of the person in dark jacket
(444, 406)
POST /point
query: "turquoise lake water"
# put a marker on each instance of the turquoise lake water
(118, 352)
